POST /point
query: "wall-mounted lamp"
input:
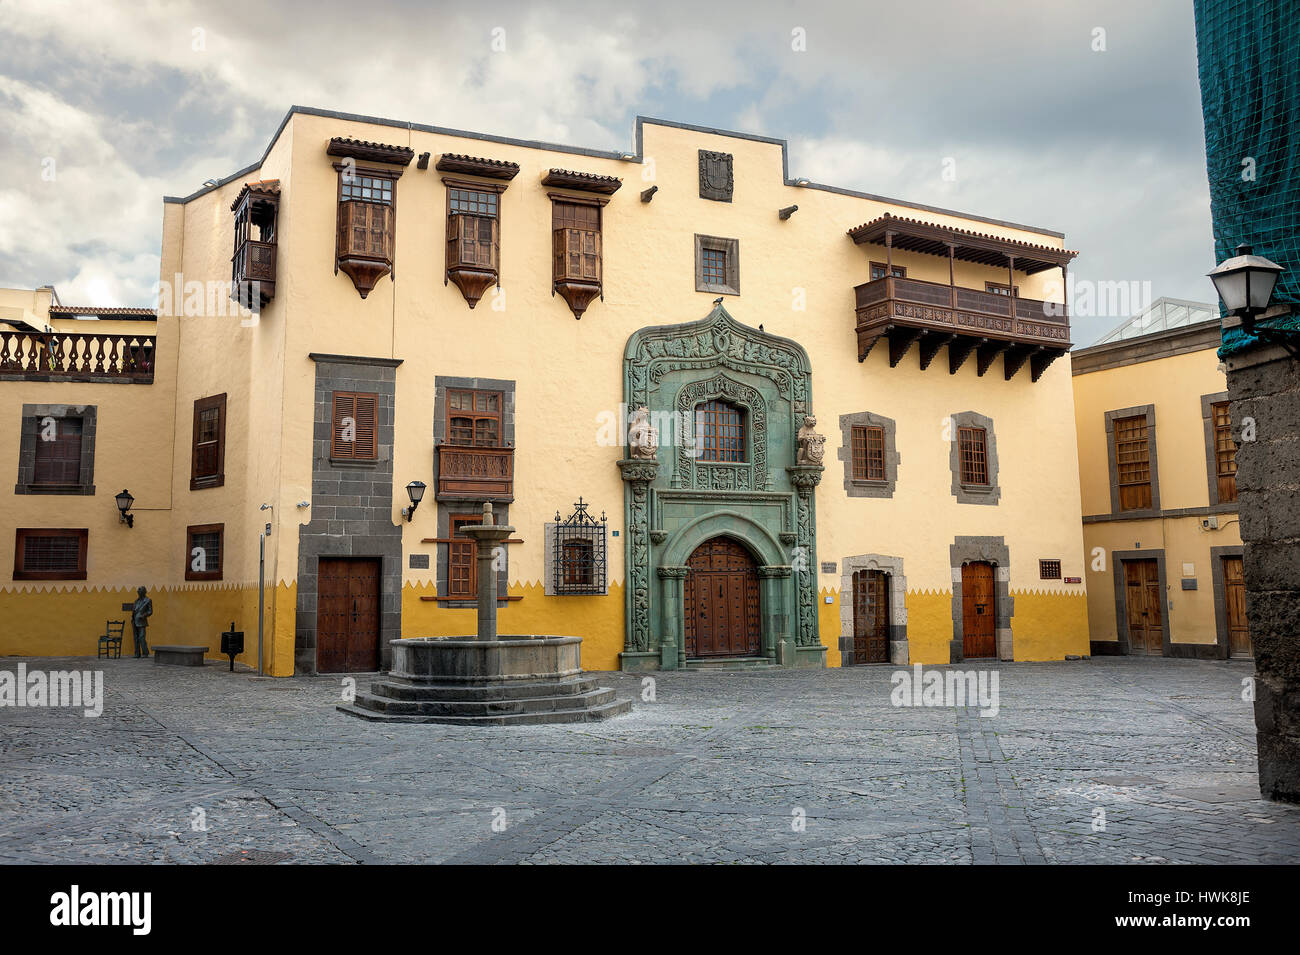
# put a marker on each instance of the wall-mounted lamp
(648, 194)
(209, 183)
(787, 212)
(124, 502)
(304, 503)
(801, 182)
(1245, 284)
(415, 491)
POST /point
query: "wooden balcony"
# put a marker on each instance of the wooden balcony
(69, 356)
(476, 474)
(253, 274)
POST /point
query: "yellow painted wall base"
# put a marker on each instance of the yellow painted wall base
(67, 621)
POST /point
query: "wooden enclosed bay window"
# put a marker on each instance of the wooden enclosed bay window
(252, 267)
(50, 553)
(1133, 463)
(473, 236)
(367, 208)
(868, 453)
(208, 453)
(355, 426)
(576, 249)
(1225, 453)
(972, 444)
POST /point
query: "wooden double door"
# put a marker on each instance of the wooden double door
(870, 617)
(1234, 593)
(347, 615)
(979, 612)
(721, 601)
(1144, 603)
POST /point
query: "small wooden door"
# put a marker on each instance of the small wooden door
(721, 601)
(347, 615)
(1234, 590)
(870, 617)
(1145, 604)
(978, 611)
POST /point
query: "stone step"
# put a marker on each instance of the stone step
(733, 664)
(485, 707)
(397, 688)
(573, 715)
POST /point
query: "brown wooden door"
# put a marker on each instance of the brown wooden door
(1145, 602)
(347, 615)
(870, 617)
(978, 611)
(1234, 590)
(721, 601)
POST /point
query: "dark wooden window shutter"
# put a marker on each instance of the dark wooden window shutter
(354, 433)
(58, 462)
(208, 451)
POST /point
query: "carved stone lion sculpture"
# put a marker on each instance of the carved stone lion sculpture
(812, 446)
(642, 438)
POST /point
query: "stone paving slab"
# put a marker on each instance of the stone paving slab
(766, 767)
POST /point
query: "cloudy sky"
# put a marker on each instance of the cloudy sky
(107, 106)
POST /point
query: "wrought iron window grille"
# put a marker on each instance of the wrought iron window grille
(579, 565)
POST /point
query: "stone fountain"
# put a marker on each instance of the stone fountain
(487, 678)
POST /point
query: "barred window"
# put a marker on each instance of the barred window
(1049, 569)
(715, 266)
(974, 461)
(868, 453)
(721, 432)
(366, 188)
(575, 553)
(204, 551)
(50, 553)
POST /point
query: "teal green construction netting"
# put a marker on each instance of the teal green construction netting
(1248, 55)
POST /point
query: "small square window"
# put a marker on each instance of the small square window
(717, 265)
(1049, 569)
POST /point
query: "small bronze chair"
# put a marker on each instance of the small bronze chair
(110, 644)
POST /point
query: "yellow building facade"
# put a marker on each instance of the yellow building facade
(412, 294)
(1157, 455)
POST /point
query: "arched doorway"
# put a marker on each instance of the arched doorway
(721, 601)
(978, 610)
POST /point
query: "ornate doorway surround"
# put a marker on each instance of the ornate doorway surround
(679, 499)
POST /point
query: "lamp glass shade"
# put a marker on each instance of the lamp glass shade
(1245, 282)
(124, 501)
(415, 491)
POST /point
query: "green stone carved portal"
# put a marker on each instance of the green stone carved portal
(677, 502)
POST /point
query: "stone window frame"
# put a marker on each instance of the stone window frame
(732, 249)
(30, 433)
(990, 550)
(893, 568)
(591, 533)
(1220, 587)
(974, 493)
(447, 509)
(220, 531)
(1117, 559)
(1112, 464)
(1211, 459)
(859, 488)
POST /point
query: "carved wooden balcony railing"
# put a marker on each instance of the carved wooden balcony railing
(252, 269)
(904, 311)
(60, 356)
(475, 474)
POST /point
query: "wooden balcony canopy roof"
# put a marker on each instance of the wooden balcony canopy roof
(914, 235)
(119, 313)
(584, 181)
(263, 188)
(370, 152)
(477, 166)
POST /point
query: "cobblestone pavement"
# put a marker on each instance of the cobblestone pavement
(719, 769)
